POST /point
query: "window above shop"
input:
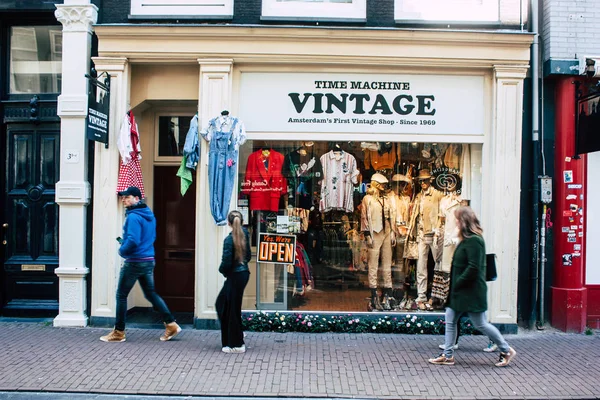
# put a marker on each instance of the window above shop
(504, 12)
(35, 59)
(322, 10)
(217, 9)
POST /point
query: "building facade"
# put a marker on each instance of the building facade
(30, 82)
(321, 96)
(570, 96)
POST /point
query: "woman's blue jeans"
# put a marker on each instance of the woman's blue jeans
(480, 322)
(144, 272)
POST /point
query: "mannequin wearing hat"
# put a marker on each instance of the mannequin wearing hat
(402, 202)
(425, 225)
(378, 216)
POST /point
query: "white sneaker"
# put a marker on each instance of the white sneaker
(234, 350)
(491, 347)
(241, 349)
(443, 346)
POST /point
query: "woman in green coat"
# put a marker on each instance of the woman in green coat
(468, 290)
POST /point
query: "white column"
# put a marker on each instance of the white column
(108, 212)
(214, 97)
(73, 188)
(502, 189)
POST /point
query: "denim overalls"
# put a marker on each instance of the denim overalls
(222, 159)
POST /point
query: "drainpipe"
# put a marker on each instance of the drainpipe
(535, 191)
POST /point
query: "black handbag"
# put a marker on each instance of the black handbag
(490, 267)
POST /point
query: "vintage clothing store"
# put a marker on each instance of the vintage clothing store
(360, 143)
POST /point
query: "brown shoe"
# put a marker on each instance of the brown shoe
(171, 330)
(114, 336)
(505, 358)
(442, 360)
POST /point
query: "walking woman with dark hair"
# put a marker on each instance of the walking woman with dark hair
(468, 290)
(234, 267)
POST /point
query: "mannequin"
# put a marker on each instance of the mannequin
(425, 225)
(402, 203)
(441, 276)
(378, 216)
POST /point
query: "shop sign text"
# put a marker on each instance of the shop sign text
(362, 103)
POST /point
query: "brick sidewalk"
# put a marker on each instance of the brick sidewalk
(36, 357)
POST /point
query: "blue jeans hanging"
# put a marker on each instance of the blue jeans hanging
(222, 157)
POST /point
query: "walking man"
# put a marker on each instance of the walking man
(137, 248)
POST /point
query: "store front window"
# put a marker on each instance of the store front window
(372, 221)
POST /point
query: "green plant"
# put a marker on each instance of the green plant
(588, 331)
(314, 323)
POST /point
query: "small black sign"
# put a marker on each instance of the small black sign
(98, 110)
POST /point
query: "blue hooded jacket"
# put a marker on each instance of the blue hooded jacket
(139, 233)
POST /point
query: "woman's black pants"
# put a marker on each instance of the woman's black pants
(229, 309)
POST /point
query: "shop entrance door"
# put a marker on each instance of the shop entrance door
(175, 240)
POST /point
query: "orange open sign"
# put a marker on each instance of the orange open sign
(275, 248)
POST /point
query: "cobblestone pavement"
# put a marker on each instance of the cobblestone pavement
(39, 358)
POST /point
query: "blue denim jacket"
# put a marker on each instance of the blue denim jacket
(191, 148)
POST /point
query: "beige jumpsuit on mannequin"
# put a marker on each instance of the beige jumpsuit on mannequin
(427, 207)
(400, 228)
(377, 217)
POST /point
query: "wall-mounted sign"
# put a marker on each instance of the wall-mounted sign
(98, 109)
(362, 103)
(276, 248)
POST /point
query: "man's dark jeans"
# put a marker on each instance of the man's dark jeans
(144, 272)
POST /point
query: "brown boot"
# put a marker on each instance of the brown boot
(114, 336)
(171, 330)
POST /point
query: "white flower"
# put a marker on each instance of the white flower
(374, 327)
(407, 325)
(283, 324)
(407, 315)
(388, 322)
(418, 325)
(421, 331)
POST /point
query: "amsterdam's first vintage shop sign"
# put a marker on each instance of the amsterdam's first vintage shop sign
(428, 104)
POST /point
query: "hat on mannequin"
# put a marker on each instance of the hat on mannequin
(400, 178)
(424, 174)
(379, 178)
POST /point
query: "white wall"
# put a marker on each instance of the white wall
(570, 28)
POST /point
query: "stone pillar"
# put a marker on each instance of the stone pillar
(214, 97)
(73, 188)
(108, 212)
(500, 213)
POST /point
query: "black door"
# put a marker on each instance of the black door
(30, 223)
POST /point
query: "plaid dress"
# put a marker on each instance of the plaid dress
(130, 170)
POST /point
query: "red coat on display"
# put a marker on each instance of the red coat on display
(264, 182)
